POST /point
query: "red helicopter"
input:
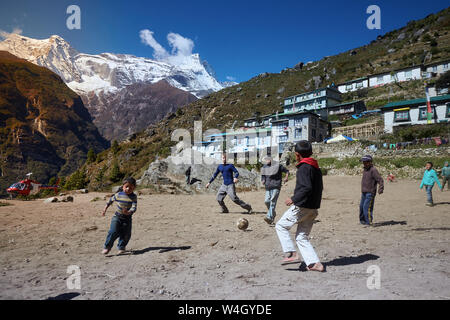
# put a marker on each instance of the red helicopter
(28, 186)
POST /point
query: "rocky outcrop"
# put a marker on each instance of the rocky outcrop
(168, 175)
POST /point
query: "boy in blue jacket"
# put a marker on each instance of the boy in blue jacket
(228, 186)
(428, 180)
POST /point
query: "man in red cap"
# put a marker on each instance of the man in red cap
(369, 182)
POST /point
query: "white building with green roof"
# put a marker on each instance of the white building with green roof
(412, 112)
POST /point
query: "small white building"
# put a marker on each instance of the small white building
(399, 75)
(437, 68)
(354, 85)
(413, 112)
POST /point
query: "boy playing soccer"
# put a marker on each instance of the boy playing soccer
(121, 222)
(303, 209)
(228, 186)
(428, 180)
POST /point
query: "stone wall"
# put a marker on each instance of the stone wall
(355, 149)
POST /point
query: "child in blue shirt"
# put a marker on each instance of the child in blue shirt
(121, 222)
(428, 180)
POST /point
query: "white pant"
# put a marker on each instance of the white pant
(304, 219)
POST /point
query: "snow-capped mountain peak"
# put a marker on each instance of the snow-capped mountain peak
(109, 72)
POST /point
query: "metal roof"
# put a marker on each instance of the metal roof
(415, 101)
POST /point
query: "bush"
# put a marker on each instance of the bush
(115, 147)
(116, 175)
(91, 157)
(76, 181)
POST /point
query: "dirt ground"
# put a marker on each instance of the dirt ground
(182, 248)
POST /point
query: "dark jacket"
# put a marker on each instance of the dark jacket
(309, 184)
(271, 176)
(370, 179)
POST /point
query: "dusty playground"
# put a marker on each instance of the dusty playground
(182, 248)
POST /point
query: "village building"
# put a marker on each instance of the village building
(412, 112)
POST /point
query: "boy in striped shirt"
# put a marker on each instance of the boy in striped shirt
(121, 222)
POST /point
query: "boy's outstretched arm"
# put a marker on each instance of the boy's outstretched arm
(110, 201)
(213, 177)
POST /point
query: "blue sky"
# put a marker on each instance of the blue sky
(240, 39)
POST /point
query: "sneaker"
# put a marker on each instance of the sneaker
(268, 220)
(250, 210)
(106, 251)
(429, 204)
(121, 251)
(225, 211)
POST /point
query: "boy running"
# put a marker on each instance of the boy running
(121, 222)
(271, 176)
(228, 186)
(303, 209)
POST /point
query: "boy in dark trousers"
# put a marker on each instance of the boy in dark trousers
(303, 209)
(369, 182)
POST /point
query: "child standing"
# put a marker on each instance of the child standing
(428, 180)
(446, 176)
(121, 222)
(303, 209)
(370, 179)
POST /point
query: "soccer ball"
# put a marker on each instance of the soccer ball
(242, 224)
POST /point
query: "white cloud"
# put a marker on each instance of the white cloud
(181, 47)
(230, 78)
(4, 34)
(147, 38)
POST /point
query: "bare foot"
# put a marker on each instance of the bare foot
(106, 251)
(316, 267)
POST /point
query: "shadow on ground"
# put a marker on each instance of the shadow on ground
(389, 223)
(429, 229)
(441, 203)
(161, 249)
(342, 261)
(65, 296)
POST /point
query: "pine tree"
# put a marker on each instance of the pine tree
(116, 175)
(91, 157)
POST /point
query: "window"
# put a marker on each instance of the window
(282, 138)
(423, 113)
(380, 79)
(298, 133)
(435, 69)
(402, 115)
(408, 75)
(445, 66)
(297, 122)
(447, 113)
(359, 85)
